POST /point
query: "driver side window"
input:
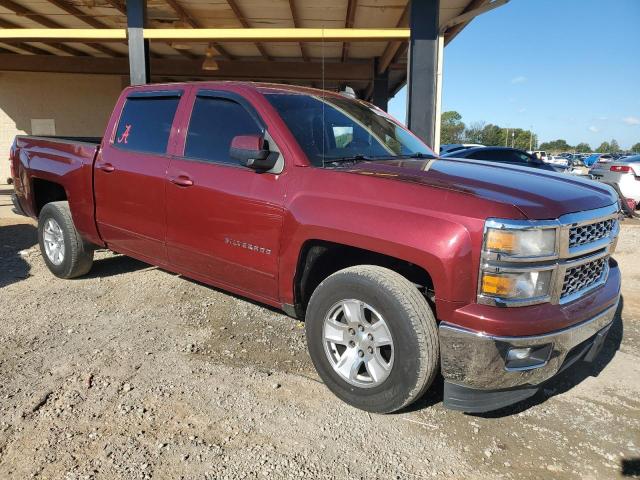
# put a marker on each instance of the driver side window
(214, 122)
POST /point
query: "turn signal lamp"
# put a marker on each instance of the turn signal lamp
(516, 285)
(497, 285)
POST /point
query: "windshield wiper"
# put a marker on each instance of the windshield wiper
(353, 158)
(414, 155)
(364, 158)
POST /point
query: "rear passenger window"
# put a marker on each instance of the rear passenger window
(214, 123)
(145, 124)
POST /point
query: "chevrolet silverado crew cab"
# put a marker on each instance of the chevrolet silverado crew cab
(403, 265)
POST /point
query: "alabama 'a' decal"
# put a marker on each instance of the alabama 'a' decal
(125, 135)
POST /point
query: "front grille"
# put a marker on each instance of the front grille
(579, 278)
(590, 233)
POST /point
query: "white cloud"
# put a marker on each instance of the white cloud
(518, 79)
(522, 110)
(593, 129)
(631, 120)
(603, 118)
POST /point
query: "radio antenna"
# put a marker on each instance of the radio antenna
(323, 124)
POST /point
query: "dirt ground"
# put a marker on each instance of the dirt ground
(133, 372)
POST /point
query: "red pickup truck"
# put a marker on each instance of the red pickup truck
(402, 264)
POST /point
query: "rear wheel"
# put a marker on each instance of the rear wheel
(63, 250)
(372, 338)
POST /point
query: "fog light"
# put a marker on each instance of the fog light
(527, 358)
(518, 353)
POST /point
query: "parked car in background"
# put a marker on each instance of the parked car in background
(596, 157)
(454, 147)
(557, 160)
(513, 156)
(540, 154)
(622, 174)
(577, 167)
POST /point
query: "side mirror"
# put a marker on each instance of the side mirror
(252, 151)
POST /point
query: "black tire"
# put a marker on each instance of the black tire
(410, 321)
(78, 257)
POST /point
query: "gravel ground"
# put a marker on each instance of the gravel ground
(133, 372)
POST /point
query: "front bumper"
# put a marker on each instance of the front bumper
(479, 376)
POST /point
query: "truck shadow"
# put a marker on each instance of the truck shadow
(115, 265)
(630, 467)
(13, 239)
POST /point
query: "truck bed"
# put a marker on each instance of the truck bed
(50, 168)
(62, 139)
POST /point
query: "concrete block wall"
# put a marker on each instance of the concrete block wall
(80, 105)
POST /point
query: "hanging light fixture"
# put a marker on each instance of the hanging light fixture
(180, 45)
(209, 62)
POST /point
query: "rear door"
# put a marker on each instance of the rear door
(223, 219)
(130, 175)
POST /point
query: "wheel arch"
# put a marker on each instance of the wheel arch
(317, 259)
(46, 191)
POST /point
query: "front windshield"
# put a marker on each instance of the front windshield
(344, 129)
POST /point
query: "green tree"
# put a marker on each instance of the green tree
(493, 135)
(635, 148)
(615, 148)
(473, 133)
(522, 139)
(582, 148)
(451, 128)
(556, 146)
(605, 147)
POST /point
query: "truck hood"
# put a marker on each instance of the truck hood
(538, 194)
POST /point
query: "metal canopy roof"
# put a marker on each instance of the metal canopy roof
(352, 63)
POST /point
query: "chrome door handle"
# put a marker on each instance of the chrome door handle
(106, 167)
(182, 181)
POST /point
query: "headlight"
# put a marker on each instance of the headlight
(516, 285)
(521, 243)
(518, 261)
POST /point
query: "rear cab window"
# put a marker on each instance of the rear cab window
(146, 120)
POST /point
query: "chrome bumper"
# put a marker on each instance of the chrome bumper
(479, 361)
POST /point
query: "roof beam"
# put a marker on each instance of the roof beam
(118, 5)
(243, 21)
(296, 24)
(360, 72)
(186, 17)
(80, 15)
(47, 22)
(348, 23)
(27, 48)
(209, 34)
(392, 49)
(38, 51)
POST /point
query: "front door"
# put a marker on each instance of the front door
(130, 176)
(223, 220)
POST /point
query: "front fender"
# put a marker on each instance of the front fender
(441, 246)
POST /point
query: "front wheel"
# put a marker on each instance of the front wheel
(372, 338)
(63, 250)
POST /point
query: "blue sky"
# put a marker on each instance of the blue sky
(568, 68)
